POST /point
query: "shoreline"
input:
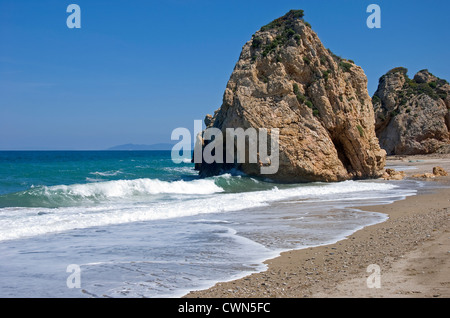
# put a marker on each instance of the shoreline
(411, 248)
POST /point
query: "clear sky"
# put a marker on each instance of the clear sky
(136, 70)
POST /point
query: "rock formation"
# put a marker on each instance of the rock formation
(391, 174)
(286, 79)
(412, 115)
(437, 172)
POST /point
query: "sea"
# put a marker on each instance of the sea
(137, 224)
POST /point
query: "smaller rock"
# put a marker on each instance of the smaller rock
(424, 175)
(391, 174)
(439, 171)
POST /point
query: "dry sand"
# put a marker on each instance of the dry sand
(411, 249)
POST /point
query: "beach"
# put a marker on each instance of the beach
(411, 250)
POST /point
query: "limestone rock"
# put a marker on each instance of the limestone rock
(426, 175)
(439, 171)
(412, 115)
(285, 78)
(391, 174)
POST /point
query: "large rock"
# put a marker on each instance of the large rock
(412, 115)
(286, 79)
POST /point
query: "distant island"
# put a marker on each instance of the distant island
(129, 147)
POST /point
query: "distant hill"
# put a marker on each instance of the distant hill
(161, 146)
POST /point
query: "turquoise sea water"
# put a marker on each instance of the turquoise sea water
(139, 225)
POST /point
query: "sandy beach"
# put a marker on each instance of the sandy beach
(411, 250)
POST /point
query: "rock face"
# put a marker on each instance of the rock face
(412, 115)
(286, 79)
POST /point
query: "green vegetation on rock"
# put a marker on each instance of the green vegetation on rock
(345, 66)
(413, 87)
(282, 21)
(285, 27)
(361, 130)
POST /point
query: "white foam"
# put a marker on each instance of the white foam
(128, 188)
(93, 179)
(182, 170)
(106, 173)
(20, 222)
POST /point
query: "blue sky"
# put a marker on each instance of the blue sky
(136, 70)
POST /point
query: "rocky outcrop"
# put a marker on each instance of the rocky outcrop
(285, 78)
(391, 174)
(437, 172)
(412, 115)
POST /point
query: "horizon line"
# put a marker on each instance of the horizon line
(85, 150)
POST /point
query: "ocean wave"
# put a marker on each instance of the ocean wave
(181, 170)
(97, 192)
(17, 222)
(123, 188)
(106, 173)
(94, 180)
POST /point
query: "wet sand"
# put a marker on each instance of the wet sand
(411, 250)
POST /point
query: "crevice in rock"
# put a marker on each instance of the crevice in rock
(447, 120)
(342, 155)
